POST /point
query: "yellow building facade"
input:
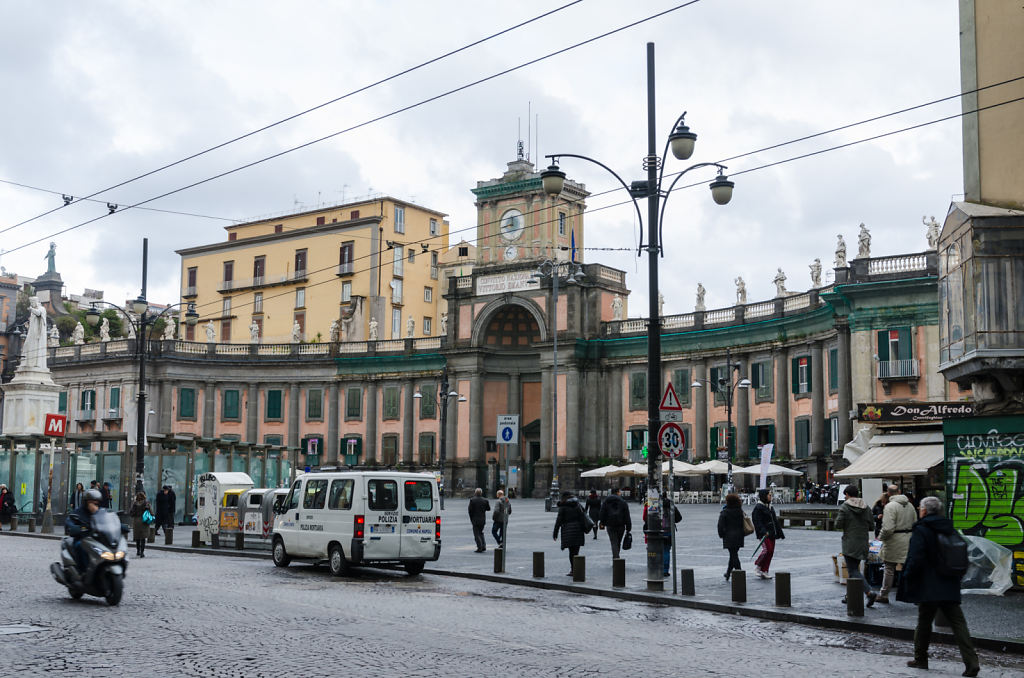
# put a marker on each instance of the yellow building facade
(361, 271)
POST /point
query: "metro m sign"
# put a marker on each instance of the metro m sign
(55, 425)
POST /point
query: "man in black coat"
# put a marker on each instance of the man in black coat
(614, 516)
(593, 508)
(924, 584)
(478, 510)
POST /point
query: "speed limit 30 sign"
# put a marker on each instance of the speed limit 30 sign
(671, 439)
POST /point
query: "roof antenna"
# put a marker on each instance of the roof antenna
(536, 136)
(529, 136)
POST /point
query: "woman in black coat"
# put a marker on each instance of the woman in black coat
(594, 509)
(572, 522)
(730, 529)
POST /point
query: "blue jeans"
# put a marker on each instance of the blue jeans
(498, 532)
(81, 557)
(666, 553)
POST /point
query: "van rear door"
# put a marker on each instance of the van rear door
(419, 516)
(382, 533)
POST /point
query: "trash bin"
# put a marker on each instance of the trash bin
(547, 503)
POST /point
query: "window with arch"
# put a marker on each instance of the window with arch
(512, 326)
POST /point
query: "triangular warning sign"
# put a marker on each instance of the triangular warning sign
(670, 401)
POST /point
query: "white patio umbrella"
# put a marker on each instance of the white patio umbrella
(714, 466)
(773, 470)
(635, 470)
(680, 468)
(599, 472)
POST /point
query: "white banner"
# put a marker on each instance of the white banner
(766, 461)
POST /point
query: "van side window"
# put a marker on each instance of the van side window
(316, 494)
(383, 495)
(292, 502)
(341, 494)
(418, 495)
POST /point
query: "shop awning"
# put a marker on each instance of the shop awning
(893, 461)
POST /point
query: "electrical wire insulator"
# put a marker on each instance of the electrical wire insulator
(652, 161)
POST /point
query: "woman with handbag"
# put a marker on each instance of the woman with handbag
(139, 511)
(768, 528)
(573, 523)
(733, 525)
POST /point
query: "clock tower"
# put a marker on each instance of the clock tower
(517, 221)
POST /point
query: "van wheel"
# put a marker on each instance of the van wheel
(336, 561)
(281, 557)
(414, 567)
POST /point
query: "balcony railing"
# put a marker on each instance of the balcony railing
(86, 415)
(112, 413)
(189, 292)
(261, 281)
(346, 269)
(899, 369)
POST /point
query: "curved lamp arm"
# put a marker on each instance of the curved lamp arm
(661, 214)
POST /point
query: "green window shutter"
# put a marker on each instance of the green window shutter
(638, 391)
(833, 369)
(755, 375)
(906, 348)
(428, 405)
(771, 433)
(810, 380)
(62, 401)
(314, 403)
(794, 383)
(713, 442)
(273, 404)
(751, 441)
(186, 403)
(883, 345)
(681, 382)
(115, 396)
(391, 405)
(229, 407)
(354, 403)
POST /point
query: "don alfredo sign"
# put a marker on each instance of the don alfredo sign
(904, 413)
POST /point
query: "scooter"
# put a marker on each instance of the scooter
(104, 544)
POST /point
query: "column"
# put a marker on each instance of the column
(616, 432)
(370, 443)
(845, 383)
(333, 415)
(164, 411)
(293, 416)
(818, 390)
(700, 411)
(209, 408)
(452, 442)
(514, 406)
(476, 416)
(743, 412)
(782, 402)
(572, 413)
(409, 418)
(252, 413)
(545, 416)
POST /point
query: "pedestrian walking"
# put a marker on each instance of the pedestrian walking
(730, 529)
(767, 528)
(667, 527)
(478, 510)
(855, 521)
(78, 496)
(614, 517)
(593, 507)
(161, 507)
(878, 509)
(502, 511)
(923, 583)
(897, 522)
(172, 507)
(573, 524)
(105, 491)
(140, 530)
(7, 505)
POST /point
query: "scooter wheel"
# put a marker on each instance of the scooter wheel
(115, 588)
(75, 593)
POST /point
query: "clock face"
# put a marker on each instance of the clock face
(511, 252)
(512, 225)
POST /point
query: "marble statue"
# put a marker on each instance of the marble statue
(816, 273)
(53, 339)
(699, 306)
(741, 291)
(254, 333)
(410, 327)
(130, 327)
(51, 257)
(33, 350)
(210, 333)
(335, 331)
(933, 232)
(661, 305)
(373, 329)
(841, 252)
(864, 243)
(78, 335)
(296, 332)
(168, 331)
(780, 284)
(616, 307)
(105, 330)
(444, 323)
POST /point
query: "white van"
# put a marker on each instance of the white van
(358, 518)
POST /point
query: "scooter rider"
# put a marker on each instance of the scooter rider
(77, 525)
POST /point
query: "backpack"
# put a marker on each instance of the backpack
(951, 557)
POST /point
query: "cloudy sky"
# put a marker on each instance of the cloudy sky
(100, 92)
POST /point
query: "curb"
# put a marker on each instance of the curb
(768, 614)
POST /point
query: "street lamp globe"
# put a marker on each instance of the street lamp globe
(92, 316)
(682, 141)
(721, 189)
(140, 305)
(744, 383)
(553, 180)
(191, 315)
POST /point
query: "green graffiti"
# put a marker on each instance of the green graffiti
(987, 500)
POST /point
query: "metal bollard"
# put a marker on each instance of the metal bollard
(168, 535)
(579, 569)
(618, 572)
(215, 540)
(783, 590)
(31, 524)
(498, 555)
(14, 523)
(739, 586)
(151, 539)
(195, 539)
(538, 564)
(686, 587)
(855, 597)
(240, 541)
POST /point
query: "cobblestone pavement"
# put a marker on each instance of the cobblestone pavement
(196, 615)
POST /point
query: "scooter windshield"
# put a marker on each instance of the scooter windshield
(107, 526)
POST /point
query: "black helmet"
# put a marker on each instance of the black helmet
(93, 495)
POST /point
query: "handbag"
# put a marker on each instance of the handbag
(748, 525)
(148, 518)
(627, 541)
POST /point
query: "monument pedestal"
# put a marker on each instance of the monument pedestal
(28, 398)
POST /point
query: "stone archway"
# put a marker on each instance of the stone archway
(511, 323)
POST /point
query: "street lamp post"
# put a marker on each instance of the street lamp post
(729, 387)
(549, 268)
(443, 405)
(682, 142)
(141, 307)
